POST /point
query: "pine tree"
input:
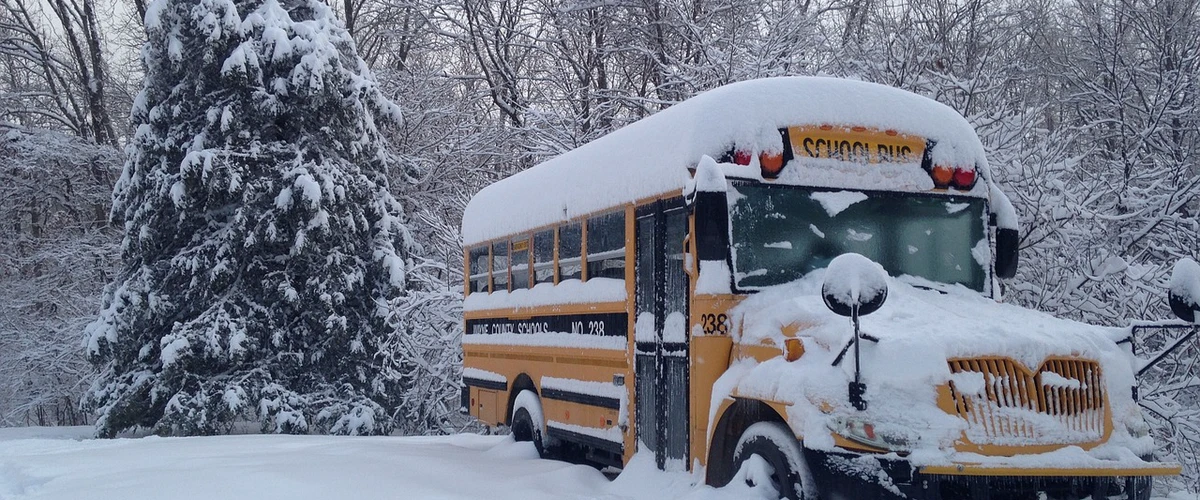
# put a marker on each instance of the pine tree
(262, 244)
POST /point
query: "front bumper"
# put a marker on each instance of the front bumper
(852, 476)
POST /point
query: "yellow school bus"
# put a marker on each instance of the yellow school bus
(669, 289)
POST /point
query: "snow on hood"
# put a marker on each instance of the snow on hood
(652, 156)
(947, 322)
(918, 330)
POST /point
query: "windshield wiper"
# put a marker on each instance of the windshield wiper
(927, 287)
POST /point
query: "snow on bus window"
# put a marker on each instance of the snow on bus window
(479, 269)
(500, 266)
(606, 246)
(543, 256)
(520, 263)
(570, 237)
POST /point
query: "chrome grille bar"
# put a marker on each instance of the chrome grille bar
(1062, 402)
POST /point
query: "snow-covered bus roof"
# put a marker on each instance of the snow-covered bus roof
(651, 156)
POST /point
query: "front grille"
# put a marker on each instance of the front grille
(1005, 403)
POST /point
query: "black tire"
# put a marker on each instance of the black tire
(524, 430)
(775, 443)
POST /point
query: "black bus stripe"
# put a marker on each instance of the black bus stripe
(587, 440)
(485, 384)
(581, 398)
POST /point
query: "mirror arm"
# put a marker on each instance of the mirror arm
(857, 389)
(842, 353)
(1168, 350)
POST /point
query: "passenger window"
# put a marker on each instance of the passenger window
(606, 246)
(543, 257)
(570, 237)
(520, 263)
(500, 266)
(479, 269)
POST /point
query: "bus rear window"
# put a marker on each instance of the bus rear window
(606, 246)
(520, 264)
(570, 237)
(500, 266)
(543, 256)
(479, 269)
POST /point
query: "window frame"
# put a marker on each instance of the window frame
(607, 255)
(552, 232)
(558, 255)
(513, 242)
(486, 274)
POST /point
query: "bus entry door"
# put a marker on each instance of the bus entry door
(660, 334)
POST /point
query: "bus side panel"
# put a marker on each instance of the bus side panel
(585, 365)
(487, 407)
(710, 359)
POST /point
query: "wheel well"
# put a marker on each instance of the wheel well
(521, 383)
(741, 414)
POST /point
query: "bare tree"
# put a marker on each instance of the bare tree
(59, 41)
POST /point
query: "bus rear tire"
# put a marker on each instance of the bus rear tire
(527, 421)
(775, 444)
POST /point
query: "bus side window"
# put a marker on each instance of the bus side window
(543, 257)
(570, 237)
(606, 246)
(500, 266)
(479, 269)
(520, 263)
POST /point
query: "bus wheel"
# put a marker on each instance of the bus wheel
(527, 421)
(784, 468)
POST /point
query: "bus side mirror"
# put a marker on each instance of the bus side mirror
(1183, 292)
(854, 286)
(711, 209)
(1006, 252)
(712, 226)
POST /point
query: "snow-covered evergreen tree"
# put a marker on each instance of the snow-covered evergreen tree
(262, 245)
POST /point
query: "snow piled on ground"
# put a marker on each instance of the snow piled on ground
(63, 463)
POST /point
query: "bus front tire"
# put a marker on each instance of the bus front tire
(775, 444)
(527, 420)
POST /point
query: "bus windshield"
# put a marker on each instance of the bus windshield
(781, 233)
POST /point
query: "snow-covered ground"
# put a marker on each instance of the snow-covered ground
(63, 463)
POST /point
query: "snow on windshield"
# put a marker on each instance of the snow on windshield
(834, 202)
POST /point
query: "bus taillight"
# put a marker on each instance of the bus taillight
(741, 157)
(964, 178)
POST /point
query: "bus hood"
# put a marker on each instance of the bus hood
(919, 329)
(932, 319)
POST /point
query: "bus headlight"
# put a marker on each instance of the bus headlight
(861, 431)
